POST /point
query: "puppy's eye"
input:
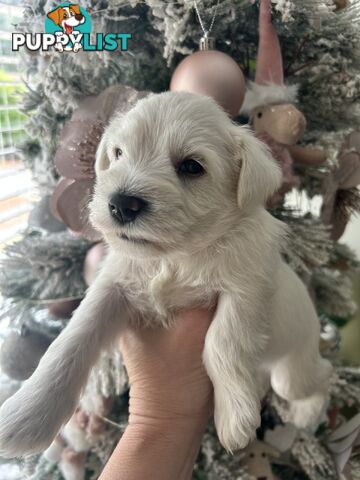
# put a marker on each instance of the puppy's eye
(65, 15)
(118, 152)
(191, 168)
(259, 115)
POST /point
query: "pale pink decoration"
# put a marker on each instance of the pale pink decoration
(269, 87)
(283, 157)
(269, 68)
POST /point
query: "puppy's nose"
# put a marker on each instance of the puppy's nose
(79, 16)
(126, 208)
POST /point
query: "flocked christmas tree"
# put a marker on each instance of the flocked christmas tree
(44, 275)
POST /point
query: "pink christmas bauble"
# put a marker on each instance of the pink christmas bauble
(211, 73)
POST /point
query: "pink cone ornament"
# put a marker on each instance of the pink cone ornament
(269, 68)
(269, 87)
(269, 102)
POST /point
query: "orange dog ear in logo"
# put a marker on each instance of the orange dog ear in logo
(56, 15)
(75, 9)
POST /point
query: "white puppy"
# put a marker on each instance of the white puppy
(180, 198)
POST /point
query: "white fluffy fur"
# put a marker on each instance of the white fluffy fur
(270, 94)
(203, 240)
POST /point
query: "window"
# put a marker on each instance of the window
(16, 188)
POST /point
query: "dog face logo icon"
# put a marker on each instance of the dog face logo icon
(67, 17)
(68, 21)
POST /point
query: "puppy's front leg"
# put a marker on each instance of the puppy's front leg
(77, 47)
(58, 44)
(31, 418)
(230, 357)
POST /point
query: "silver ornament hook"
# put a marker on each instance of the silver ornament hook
(206, 42)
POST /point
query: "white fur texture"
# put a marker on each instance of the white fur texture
(270, 94)
(202, 240)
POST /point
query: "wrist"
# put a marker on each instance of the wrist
(167, 448)
(185, 405)
(161, 417)
(176, 442)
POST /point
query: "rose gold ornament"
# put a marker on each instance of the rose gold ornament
(211, 73)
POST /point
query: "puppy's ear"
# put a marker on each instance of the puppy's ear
(102, 161)
(260, 176)
(75, 9)
(55, 16)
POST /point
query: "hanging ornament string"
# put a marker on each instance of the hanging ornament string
(206, 31)
(210, 72)
(206, 42)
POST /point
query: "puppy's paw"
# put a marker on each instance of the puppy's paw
(59, 47)
(306, 413)
(77, 47)
(236, 421)
(30, 420)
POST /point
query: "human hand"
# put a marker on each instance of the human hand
(167, 378)
(171, 398)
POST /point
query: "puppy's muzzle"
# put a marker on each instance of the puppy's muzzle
(125, 208)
